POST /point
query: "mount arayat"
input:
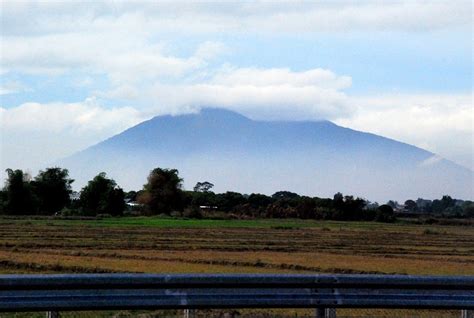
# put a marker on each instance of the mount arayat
(314, 158)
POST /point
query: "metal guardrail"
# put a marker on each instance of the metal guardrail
(147, 291)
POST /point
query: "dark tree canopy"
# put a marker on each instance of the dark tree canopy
(411, 206)
(385, 213)
(392, 203)
(227, 201)
(102, 196)
(338, 197)
(162, 193)
(306, 208)
(259, 200)
(203, 186)
(349, 208)
(202, 198)
(284, 195)
(52, 187)
(18, 194)
(131, 195)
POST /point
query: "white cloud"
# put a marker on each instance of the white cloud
(321, 78)
(123, 58)
(87, 117)
(11, 87)
(431, 161)
(276, 93)
(125, 40)
(34, 134)
(268, 102)
(240, 17)
(443, 124)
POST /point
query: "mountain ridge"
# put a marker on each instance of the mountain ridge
(221, 142)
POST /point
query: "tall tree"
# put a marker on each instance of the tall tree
(205, 186)
(52, 187)
(411, 206)
(18, 195)
(447, 202)
(162, 193)
(102, 196)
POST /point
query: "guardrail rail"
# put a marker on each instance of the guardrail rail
(78, 292)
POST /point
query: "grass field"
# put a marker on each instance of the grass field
(167, 245)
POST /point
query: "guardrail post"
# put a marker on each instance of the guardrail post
(320, 313)
(52, 314)
(467, 313)
(331, 313)
(189, 313)
(326, 313)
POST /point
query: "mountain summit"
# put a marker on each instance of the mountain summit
(316, 158)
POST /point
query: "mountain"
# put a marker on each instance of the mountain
(316, 158)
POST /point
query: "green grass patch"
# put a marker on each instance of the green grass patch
(179, 222)
(170, 222)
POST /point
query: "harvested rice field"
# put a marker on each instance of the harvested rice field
(254, 246)
(38, 246)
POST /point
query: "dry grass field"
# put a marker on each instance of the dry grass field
(305, 246)
(187, 246)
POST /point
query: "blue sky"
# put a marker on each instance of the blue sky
(73, 74)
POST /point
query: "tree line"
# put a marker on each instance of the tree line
(50, 193)
(445, 207)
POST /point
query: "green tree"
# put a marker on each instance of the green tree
(207, 198)
(338, 197)
(306, 208)
(52, 187)
(229, 200)
(411, 206)
(203, 186)
(131, 195)
(18, 195)
(286, 195)
(392, 203)
(259, 200)
(385, 214)
(447, 202)
(3, 201)
(163, 193)
(468, 209)
(102, 196)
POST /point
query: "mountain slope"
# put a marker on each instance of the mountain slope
(236, 153)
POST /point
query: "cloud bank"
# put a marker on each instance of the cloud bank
(30, 18)
(136, 50)
(443, 124)
(33, 134)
